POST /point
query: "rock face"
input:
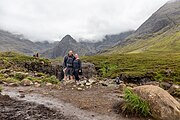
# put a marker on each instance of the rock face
(166, 17)
(88, 70)
(163, 105)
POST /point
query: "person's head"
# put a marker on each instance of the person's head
(76, 56)
(70, 53)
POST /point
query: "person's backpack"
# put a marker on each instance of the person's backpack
(69, 61)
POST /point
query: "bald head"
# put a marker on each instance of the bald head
(70, 53)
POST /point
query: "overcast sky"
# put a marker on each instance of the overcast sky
(87, 19)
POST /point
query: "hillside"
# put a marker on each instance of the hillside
(16, 43)
(161, 32)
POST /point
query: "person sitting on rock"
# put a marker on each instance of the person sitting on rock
(77, 68)
(68, 65)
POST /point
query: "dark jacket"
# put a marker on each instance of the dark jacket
(77, 64)
(68, 61)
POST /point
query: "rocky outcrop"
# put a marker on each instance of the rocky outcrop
(163, 106)
(57, 70)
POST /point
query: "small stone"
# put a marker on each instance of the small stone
(22, 95)
(88, 84)
(79, 89)
(48, 84)
(37, 85)
(13, 84)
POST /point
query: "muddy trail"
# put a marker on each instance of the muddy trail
(67, 103)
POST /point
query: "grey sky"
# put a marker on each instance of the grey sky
(87, 19)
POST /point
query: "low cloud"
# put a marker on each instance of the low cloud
(50, 20)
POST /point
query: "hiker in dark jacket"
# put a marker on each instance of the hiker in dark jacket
(77, 68)
(68, 65)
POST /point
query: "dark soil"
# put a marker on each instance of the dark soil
(11, 109)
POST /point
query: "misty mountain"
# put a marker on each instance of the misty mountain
(163, 19)
(161, 32)
(17, 43)
(84, 48)
(66, 44)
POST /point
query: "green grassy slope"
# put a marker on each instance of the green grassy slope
(161, 67)
(168, 41)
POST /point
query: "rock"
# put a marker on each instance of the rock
(174, 90)
(122, 87)
(88, 84)
(88, 70)
(132, 85)
(92, 81)
(26, 82)
(48, 84)
(36, 84)
(83, 82)
(163, 106)
(22, 95)
(6, 75)
(13, 84)
(103, 83)
(79, 89)
(5, 71)
(155, 83)
(165, 85)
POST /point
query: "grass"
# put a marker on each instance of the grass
(160, 66)
(134, 104)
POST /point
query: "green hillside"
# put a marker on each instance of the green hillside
(168, 41)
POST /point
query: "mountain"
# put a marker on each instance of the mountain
(17, 43)
(161, 32)
(84, 47)
(66, 44)
(110, 40)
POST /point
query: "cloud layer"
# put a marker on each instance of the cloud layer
(86, 19)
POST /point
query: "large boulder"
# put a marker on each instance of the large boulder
(88, 70)
(163, 106)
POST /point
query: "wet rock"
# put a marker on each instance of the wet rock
(163, 106)
(26, 82)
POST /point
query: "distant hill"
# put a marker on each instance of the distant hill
(66, 44)
(84, 48)
(17, 43)
(161, 32)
